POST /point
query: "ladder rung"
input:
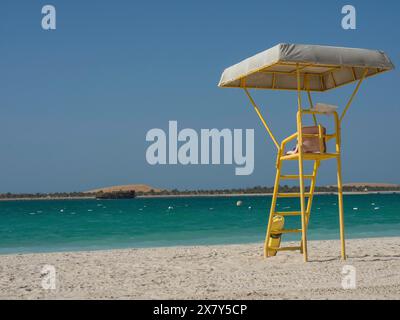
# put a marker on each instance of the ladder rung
(288, 213)
(296, 176)
(292, 195)
(284, 248)
(286, 231)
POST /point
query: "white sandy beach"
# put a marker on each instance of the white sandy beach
(208, 272)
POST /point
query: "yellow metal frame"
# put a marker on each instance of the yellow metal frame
(300, 156)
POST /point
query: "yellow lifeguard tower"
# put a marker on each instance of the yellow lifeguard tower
(304, 68)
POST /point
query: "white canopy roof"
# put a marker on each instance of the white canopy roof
(321, 67)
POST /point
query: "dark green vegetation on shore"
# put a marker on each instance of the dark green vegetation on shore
(176, 192)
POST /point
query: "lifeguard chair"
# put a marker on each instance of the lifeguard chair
(304, 68)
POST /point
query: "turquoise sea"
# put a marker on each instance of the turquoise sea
(60, 225)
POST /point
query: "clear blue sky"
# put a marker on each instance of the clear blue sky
(76, 103)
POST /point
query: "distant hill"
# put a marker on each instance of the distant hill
(128, 187)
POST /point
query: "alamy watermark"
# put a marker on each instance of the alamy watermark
(349, 281)
(349, 20)
(49, 18)
(187, 147)
(48, 275)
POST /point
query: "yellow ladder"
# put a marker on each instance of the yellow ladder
(304, 213)
(306, 198)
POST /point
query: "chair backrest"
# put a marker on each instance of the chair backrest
(314, 139)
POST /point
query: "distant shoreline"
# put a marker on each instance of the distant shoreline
(48, 198)
(209, 195)
(264, 194)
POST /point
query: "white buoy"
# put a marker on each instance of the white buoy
(239, 203)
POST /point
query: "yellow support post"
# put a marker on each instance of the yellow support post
(340, 186)
(312, 106)
(273, 204)
(341, 214)
(261, 118)
(354, 94)
(321, 138)
(301, 173)
(301, 179)
(298, 88)
(312, 188)
(310, 100)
